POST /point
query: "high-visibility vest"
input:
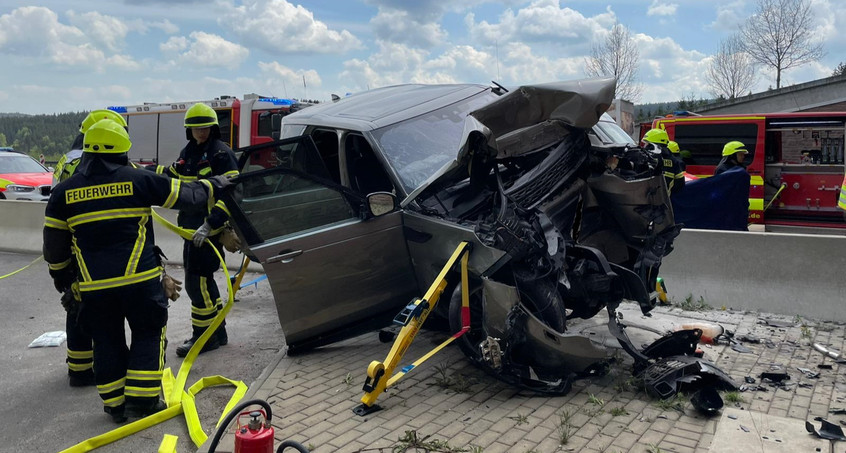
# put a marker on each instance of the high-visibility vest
(841, 202)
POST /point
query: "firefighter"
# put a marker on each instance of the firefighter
(204, 156)
(98, 222)
(734, 153)
(80, 353)
(673, 166)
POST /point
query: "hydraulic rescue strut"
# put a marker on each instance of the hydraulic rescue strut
(380, 375)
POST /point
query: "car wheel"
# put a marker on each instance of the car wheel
(540, 297)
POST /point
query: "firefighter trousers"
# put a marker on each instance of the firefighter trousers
(80, 352)
(127, 374)
(200, 265)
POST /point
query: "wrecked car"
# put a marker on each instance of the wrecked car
(354, 211)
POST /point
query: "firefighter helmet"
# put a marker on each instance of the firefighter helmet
(657, 136)
(106, 137)
(97, 115)
(734, 147)
(674, 147)
(200, 115)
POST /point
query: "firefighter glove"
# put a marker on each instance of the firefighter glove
(63, 278)
(229, 239)
(201, 234)
(220, 184)
(171, 287)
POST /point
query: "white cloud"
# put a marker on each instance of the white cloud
(106, 32)
(36, 31)
(279, 27)
(657, 8)
(402, 27)
(541, 21)
(730, 16)
(205, 49)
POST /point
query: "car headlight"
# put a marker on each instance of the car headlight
(20, 188)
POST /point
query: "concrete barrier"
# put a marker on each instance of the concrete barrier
(791, 274)
(22, 222)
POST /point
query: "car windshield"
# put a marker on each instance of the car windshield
(20, 164)
(614, 133)
(417, 147)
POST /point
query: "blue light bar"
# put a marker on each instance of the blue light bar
(277, 101)
(117, 108)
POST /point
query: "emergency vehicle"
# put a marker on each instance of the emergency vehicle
(158, 131)
(795, 160)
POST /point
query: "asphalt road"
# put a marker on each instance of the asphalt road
(41, 413)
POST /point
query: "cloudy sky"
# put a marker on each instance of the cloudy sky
(61, 56)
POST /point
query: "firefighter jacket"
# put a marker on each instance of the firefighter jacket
(100, 217)
(195, 162)
(673, 171)
(727, 163)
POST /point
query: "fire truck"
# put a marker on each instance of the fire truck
(795, 160)
(158, 132)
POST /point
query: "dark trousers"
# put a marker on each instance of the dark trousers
(80, 351)
(127, 374)
(200, 265)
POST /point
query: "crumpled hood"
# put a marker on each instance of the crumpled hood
(527, 119)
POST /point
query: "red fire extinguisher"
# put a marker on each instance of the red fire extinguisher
(257, 435)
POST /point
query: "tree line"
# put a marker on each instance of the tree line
(778, 36)
(50, 135)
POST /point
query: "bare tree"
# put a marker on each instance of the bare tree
(732, 71)
(839, 70)
(616, 57)
(780, 35)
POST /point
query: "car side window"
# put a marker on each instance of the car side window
(285, 189)
(279, 203)
(366, 173)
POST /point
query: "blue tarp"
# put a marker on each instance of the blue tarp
(716, 203)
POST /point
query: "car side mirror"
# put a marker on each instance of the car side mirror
(381, 203)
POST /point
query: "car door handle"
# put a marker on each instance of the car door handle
(285, 256)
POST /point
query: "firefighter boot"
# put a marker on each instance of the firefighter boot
(143, 407)
(81, 378)
(222, 337)
(118, 413)
(212, 344)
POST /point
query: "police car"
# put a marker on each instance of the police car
(23, 178)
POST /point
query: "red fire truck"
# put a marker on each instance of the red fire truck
(158, 132)
(796, 161)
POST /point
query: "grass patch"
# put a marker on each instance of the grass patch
(565, 428)
(733, 397)
(806, 332)
(676, 403)
(410, 441)
(456, 382)
(593, 399)
(520, 419)
(689, 304)
(618, 411)
(348, 379)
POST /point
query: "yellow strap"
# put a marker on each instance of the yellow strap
(168, 444)
(21, 269)
(178, 400)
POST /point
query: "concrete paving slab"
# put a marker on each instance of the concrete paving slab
(750, 431)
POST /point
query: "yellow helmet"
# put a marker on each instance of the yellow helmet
(106, 137)
(657, 136)
(102, 114)
(733, 148)
(200, 115)
(674, 147)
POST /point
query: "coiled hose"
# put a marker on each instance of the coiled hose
(237, 410)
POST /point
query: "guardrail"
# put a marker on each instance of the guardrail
(22, 223)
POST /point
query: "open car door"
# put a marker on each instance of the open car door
(335, 271)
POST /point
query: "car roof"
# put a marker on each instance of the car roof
(383, 106)
(14, 153)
